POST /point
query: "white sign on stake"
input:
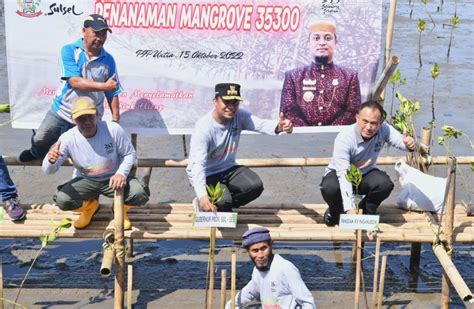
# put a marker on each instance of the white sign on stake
(215, 219)
(359, 222)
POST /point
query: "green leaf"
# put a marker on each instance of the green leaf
(395, 77)
(52, 237)
(472, 166)
(65, 223)
(454, 21)
(440, 140)
(421, 25)
(44, 241)
(435, 71)
(450, 131)
(425, 2)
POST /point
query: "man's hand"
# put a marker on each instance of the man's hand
(54, 154)
(284, 125)
(117, 181)
(408, 141)
(206, 205)
(111, 84)
(351, 212)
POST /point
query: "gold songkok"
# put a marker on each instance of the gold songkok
(322, 26)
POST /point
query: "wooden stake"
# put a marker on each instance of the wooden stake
(119, 250)
(448, 226)
(376, 272)
(233, 275)
(382, 280)
(390, 26)
(223, 287)
(212, 246)
(358, 269)
(358, 265)
(130, 286)
(1, 283)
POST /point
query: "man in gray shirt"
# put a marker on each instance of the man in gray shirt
(360, 144)
(214, 146)
(103, 157)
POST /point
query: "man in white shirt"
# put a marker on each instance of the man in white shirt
(276, 282)
(360, 144)
(103, 157)
(214, 146)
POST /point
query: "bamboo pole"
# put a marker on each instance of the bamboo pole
(452, 273)
(1, 283)
(134, 140)
(376, 272)
(382, 281)
(108, 255)
(381, 83)
(448, 226)
(212, 245)
(389, 39)
(258, 163)
(130, 286)
(233, 275)
(223, 287)
(358, 267)
(119, 250)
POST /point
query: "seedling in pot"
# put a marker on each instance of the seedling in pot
(354, 176)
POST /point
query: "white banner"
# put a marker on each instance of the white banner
(170, 54)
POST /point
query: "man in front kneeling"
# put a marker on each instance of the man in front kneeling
(360, 144)
(103, 157)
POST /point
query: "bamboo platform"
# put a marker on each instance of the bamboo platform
(287, 222)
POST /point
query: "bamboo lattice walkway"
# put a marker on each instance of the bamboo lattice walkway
(298, 222)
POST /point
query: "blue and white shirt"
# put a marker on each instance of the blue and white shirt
(76, 63)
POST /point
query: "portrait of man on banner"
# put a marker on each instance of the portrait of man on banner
(321, 93)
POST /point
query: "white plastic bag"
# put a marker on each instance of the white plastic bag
(420, 191)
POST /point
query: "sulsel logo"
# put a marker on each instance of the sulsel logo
(62, 9)
(29, 8)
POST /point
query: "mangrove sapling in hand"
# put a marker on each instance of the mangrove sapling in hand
(215, 193)
(354, 176)
(45, 240)
(421, 28)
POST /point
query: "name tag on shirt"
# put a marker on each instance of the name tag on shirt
(215, 219)
(359, 222)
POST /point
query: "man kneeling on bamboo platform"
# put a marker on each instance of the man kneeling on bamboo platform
(276, 282)
(103, 157)
(214, 147)
(360, 144)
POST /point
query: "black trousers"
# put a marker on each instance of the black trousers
(375, 185)
(240, 184)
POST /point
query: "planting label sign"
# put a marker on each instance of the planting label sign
(359, 222)
(215, 219)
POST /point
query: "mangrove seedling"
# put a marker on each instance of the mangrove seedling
(403, 120)
(395, 80)
(354, 176)
(215, 192)
(454, 22)
(425, 2)
(434, 75)
(45, 240)
(421, 28)
(450, 132)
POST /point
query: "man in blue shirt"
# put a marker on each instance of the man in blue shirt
(360, 144)
(87, 70)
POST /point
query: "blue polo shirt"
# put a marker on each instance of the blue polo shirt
(76, 63)
(350, 147)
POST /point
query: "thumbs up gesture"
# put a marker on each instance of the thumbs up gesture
(408, 141)
(111, 84)
(284, 125)
(54, 153)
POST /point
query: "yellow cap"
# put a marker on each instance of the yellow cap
(323, 26)
(83, 106)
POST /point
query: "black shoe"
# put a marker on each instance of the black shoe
(329, 220)
(26, 156)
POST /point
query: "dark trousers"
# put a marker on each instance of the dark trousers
(375, 185)
(240, 184)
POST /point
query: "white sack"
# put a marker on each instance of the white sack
(420, 191)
